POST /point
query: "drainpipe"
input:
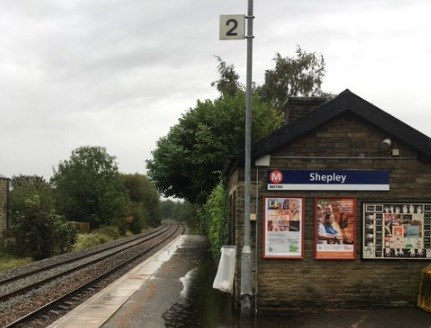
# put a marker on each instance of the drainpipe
(264, 161)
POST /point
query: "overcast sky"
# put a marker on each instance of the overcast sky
(119, 73)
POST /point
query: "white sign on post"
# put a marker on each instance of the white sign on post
(232, 27)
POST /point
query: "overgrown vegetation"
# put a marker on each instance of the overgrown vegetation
(215, 214)
(96, 237)
(36, 230)
(86, 190)
(183, 211)
(8, 261)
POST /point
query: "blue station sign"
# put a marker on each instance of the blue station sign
(374, 180)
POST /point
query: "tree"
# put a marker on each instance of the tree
(228, 84)
(25, 187)
(144, 199)
(188, 161)
(189, 214)
(293, 76)
(35, 229)
(168, 209)
(88, 187)
(32, 230)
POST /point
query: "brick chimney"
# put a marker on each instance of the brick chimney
(295, 107)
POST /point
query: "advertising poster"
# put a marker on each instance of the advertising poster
(396, 231)
(283, 227)
(335, 219)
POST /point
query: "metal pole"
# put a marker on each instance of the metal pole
(246, 255)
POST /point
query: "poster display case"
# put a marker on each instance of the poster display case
(335, 222)
(283, 227)
(396, 231)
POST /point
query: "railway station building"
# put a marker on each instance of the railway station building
(340, 208)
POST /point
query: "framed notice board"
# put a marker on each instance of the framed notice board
(335, 234)
(283, 227)
(396, 231)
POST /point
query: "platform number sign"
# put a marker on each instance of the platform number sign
(232, 27)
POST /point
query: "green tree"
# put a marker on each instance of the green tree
(189, 214)
(188, 161)
(168, 209)
(25, 187)
(178, 210)
(228, 83)
(88, 187)
(32, 230)
(293, 76)
(35, 229)
(144, 199)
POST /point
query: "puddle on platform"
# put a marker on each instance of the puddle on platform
(203, 306)
(200, 305)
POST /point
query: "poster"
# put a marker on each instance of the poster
(283, 227)
(396, 231)
(335, 219)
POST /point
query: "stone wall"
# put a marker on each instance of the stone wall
(344, 143)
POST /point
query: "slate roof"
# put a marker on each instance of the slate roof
(346, 101)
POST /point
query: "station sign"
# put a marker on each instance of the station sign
(373, 180)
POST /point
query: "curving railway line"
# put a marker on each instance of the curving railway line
(38, 295)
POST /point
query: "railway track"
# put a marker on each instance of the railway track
(35, 298)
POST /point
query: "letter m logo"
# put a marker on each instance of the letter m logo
(276, 176)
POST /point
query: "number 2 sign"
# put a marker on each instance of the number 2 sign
(232, 27)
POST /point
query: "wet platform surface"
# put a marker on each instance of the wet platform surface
(101, 307)
(174, 289)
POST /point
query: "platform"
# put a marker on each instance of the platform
(97, 310)
(152, 294)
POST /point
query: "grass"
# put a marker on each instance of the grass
(97, 237)
(8, 262)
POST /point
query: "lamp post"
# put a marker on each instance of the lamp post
(232, 28)
(246, 254)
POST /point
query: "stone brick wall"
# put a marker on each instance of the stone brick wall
(296, 107)
(346, 142)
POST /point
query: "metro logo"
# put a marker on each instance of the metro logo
(276, 176)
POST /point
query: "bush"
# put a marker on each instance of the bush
(215, 215)
(97, 237)
(136, 227)
(65, 235)
(32, 230)
(7, 244)
(122, 224)
(110, 232)
(37, 233)
(85, 241)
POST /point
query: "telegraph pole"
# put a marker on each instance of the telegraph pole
(232, 28)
